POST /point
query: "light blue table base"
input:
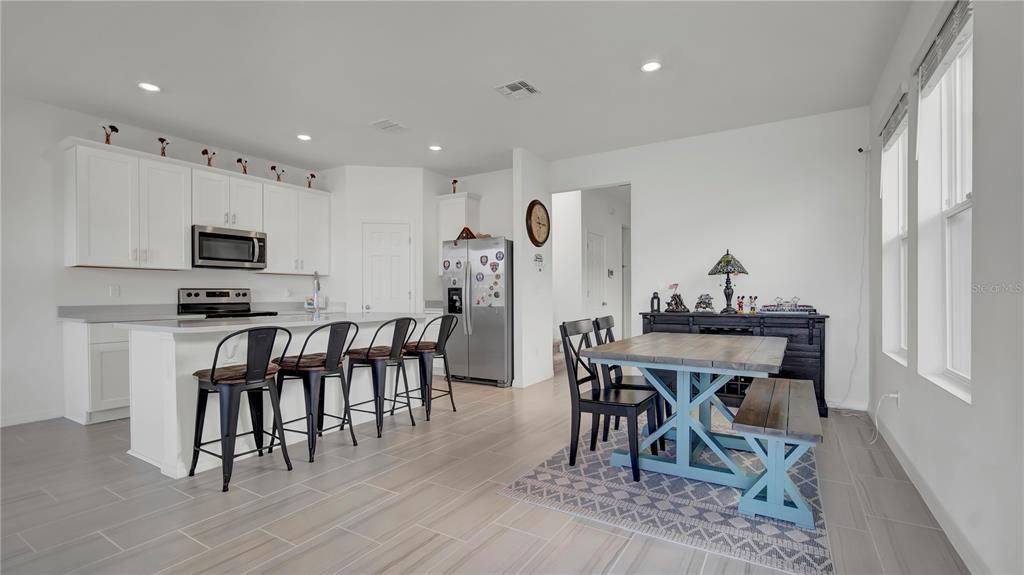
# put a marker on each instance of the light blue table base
(767, 496)
(699, 386)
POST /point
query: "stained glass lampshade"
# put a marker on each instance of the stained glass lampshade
(727, 265)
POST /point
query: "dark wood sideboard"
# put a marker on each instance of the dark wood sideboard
(805, 352)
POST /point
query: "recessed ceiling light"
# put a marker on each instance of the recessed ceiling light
(304, 137)
(435, 148)
(652, 66)
(149, 87)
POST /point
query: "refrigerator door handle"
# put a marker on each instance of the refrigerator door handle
(469, 301)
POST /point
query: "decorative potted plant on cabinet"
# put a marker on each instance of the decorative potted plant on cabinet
(107, 131)
(278, 173)
(164, 142)
(244, 163)
(309, 180)
(209, 156)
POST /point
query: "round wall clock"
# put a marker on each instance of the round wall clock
(538, 223)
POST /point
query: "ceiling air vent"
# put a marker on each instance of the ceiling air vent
(389, 126)
(517, 90)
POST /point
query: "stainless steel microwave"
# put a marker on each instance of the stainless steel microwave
(226, 248)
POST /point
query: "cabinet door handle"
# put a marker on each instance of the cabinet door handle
(145, 255)
(296, 265)
(302, 264)
(234, 218)
(225, 218)
(135, 254)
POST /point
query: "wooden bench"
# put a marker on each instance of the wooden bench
(779, 419)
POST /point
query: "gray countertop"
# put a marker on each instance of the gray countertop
(153, 312)
(287, 320)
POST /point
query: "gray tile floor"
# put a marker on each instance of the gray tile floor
(421, 499)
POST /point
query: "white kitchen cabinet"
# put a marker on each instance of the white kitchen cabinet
(246, 204)
(297, 224)
(281, 207)
(165, 215)
(211, 198)
(314, 233)
(101, 216)
(96, 381)
(454, 212)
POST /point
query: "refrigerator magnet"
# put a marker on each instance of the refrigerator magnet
(483, 260)
(494, 266)
(499, 256)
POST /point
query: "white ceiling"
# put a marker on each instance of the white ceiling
(252, 76)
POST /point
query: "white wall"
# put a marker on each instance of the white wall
(966, 458)
(566, 257)
(372, 194)
(494, 189)
(532, 297)
(787, 198)
(34, 279)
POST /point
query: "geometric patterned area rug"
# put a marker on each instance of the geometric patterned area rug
(694, 513)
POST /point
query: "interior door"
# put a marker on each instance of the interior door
(281, 225)
(246, 203)
(387, 269)
(210, 199)
(165, 212)
(314, 233)
(594, 286)
(108, 208)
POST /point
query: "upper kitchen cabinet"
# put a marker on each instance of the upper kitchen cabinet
(297, 224)
(124, 211)
(165, 215)
(454, 212)
(225, 201)
(101, 208)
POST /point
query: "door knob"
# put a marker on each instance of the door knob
(366, 307)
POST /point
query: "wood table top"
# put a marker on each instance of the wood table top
(732, 352)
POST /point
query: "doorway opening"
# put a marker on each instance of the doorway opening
(590, 235)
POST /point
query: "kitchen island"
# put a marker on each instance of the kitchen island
(164, 354)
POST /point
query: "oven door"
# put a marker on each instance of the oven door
(225, 248)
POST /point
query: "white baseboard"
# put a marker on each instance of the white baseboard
(956, 537)
(21, 418)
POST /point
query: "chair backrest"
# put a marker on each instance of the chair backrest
(259, 348)
(603, 334)
(575, 338)
(445, 331)
(402, 327)
(338, 342)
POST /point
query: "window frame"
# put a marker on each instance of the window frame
(898, 240)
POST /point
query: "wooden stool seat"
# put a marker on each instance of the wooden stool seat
(375, 352)
(230, 374)
(308, 362)
(420, 346)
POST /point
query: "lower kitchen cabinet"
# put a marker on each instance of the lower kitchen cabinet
(95, 372)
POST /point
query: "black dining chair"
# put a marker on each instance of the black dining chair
(613, 377)
(379, 358)
(600, 400)
(314, 369)
(425, 352)
(254, 377)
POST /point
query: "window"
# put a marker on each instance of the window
(895, 239)
(944, 219)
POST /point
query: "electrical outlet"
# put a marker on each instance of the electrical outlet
(114, 290)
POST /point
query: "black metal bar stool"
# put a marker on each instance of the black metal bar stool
(426, 352)
(254, 377)
(314, 369)
(379, 358)
(615, 379)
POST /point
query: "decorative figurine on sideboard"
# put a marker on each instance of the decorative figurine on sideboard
(107, 131)
(309, 180)
(705, 304)
(739, 304)
(164, 142)
(753, 305)
(244, 163)
(727, 265)
(278, 173)
(655, 303)
(675, 301)
(209, 157)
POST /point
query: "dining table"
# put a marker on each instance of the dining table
(703, 364)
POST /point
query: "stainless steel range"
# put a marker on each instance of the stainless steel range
(218, 303)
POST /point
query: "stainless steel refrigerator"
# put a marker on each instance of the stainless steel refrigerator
(478, 278)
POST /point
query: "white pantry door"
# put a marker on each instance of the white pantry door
(595, 278)
(387, 267)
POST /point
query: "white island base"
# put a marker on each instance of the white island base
(163, 355)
